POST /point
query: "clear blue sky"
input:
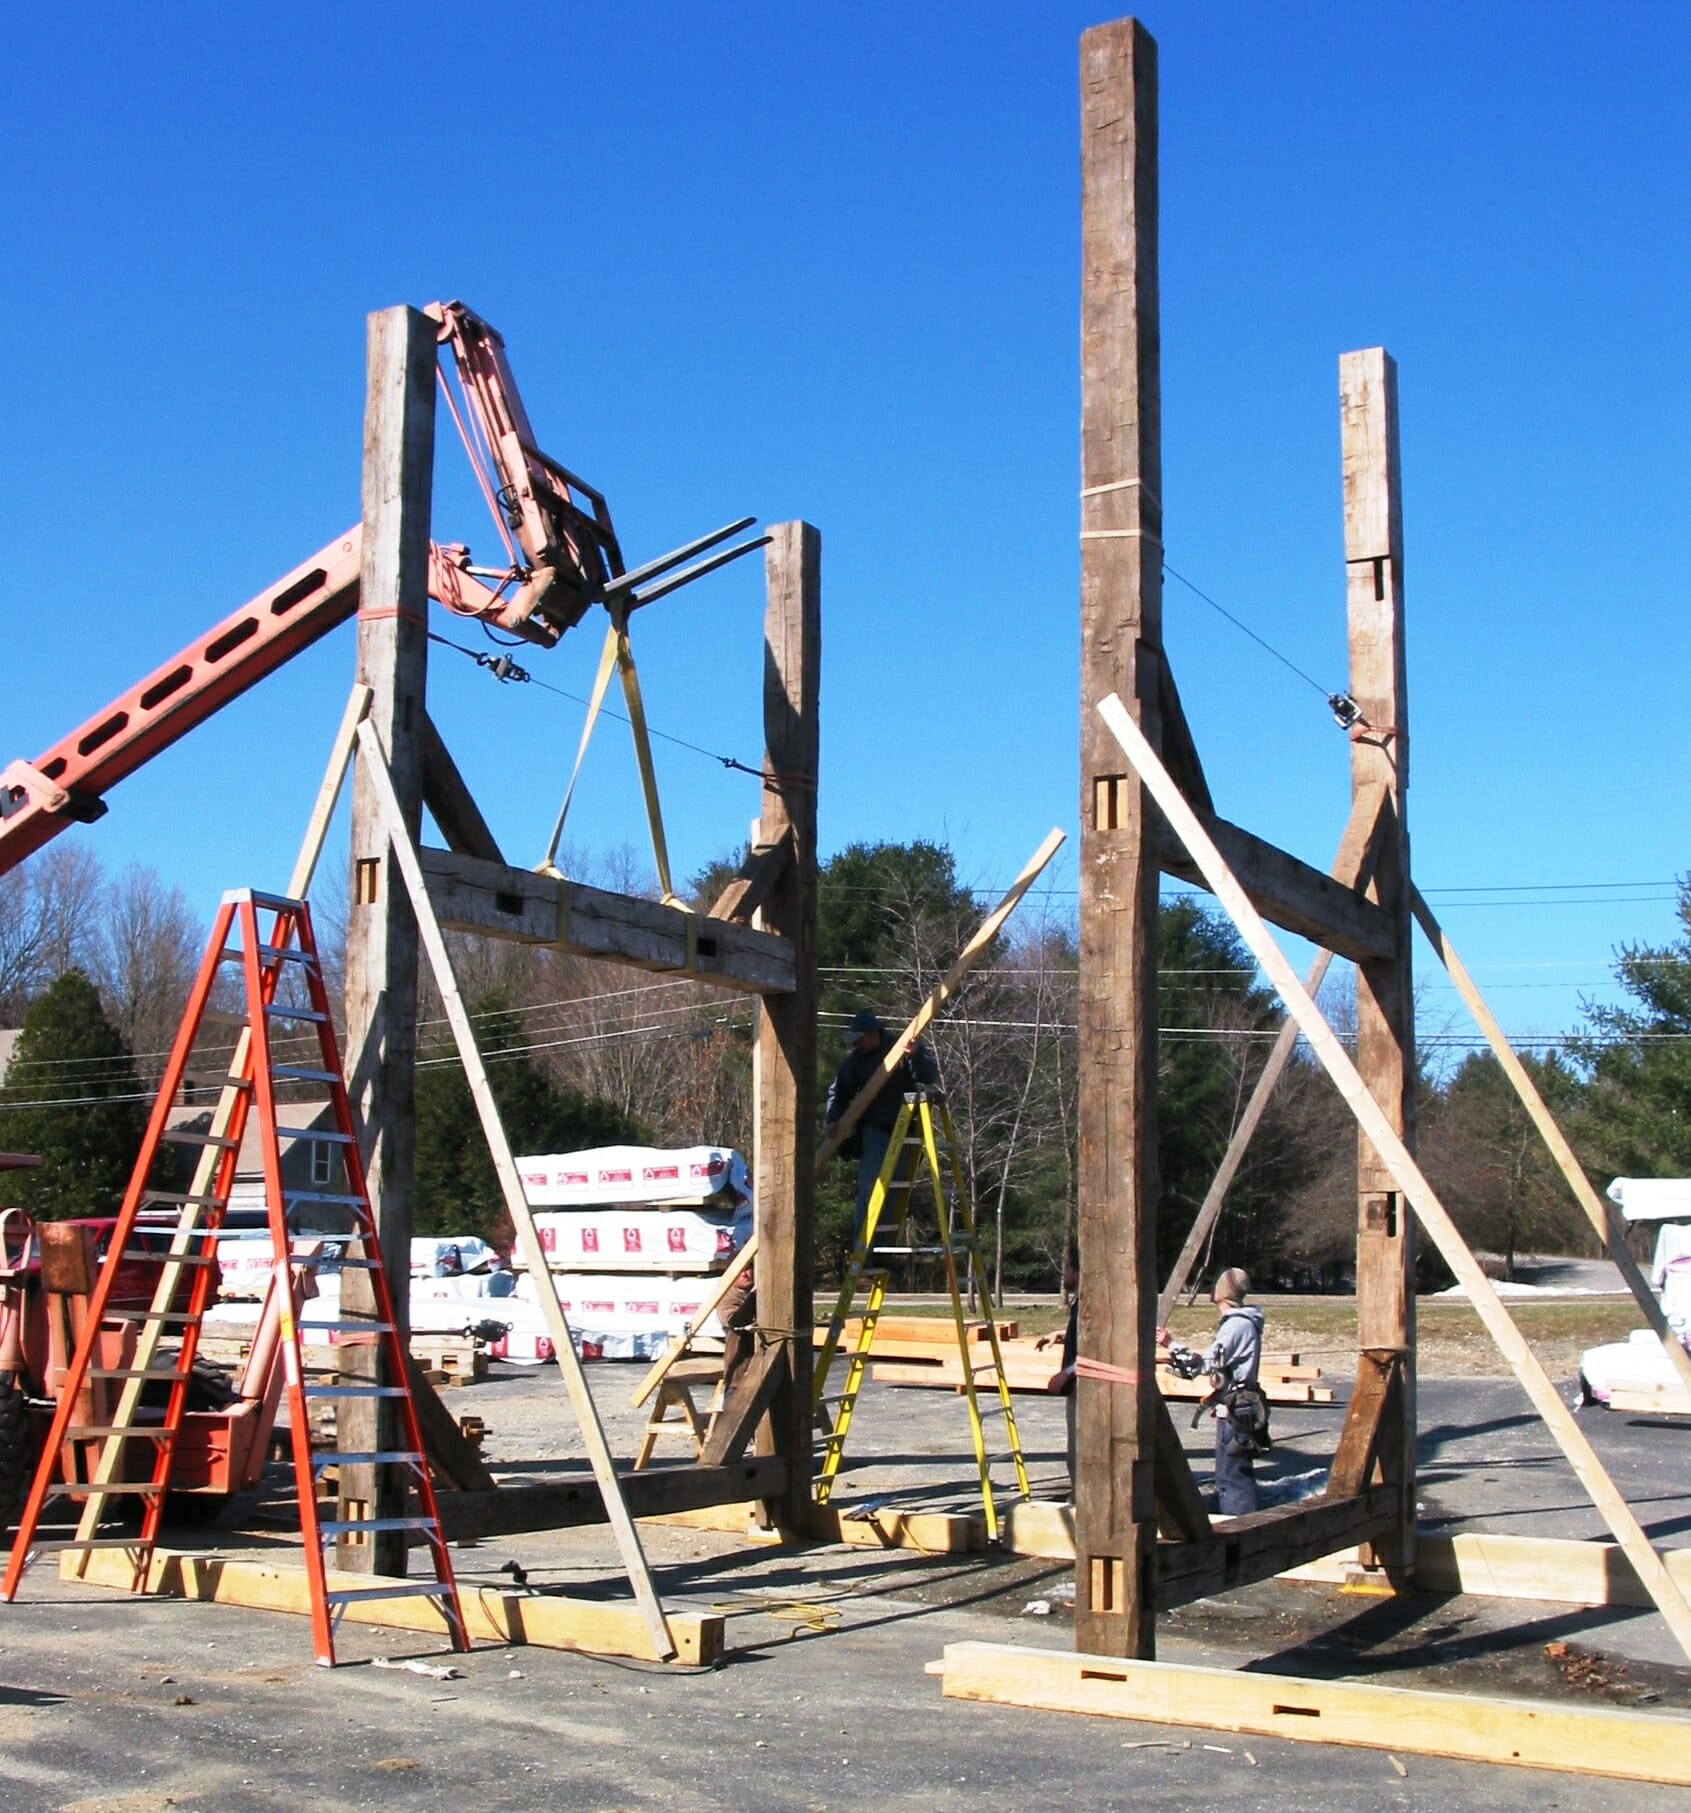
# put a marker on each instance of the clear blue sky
(825, 264)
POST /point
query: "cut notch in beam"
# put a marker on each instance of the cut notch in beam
(1636, 1746)
(495, 900)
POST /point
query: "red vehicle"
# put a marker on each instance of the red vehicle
(47, 1273)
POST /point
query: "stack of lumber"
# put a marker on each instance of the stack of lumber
(1030, 1367)
(449, 1359)
(918, 1338)
(1651, 1400)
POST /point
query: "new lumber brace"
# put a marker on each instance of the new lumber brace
(491, 1614)
(1636, 1746)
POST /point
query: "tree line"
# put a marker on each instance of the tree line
(96, 968)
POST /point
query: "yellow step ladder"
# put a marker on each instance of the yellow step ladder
(922, 1140)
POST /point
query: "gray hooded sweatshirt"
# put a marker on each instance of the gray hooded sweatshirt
(1237, 1346)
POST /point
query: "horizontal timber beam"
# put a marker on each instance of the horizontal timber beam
(1543, 1734)
(491, 1615)
(1265, 1543)
(494, 900)
(563, 1504)
(1291, 893)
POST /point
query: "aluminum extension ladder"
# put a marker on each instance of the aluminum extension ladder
(922, 1140)
(282, 981)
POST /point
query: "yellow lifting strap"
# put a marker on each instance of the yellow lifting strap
(618, 658)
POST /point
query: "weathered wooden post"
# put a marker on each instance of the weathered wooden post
(381, 941)
(784, 1059)
(1385, 999)
(1121, 650)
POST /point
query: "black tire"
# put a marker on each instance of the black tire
(17, 1452)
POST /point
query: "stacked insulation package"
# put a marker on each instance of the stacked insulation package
(632, 1235)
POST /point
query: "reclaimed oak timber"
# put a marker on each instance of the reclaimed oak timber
(784, 1048)
(453, 1458)
(1411, 1181)
(381, 933)
(491, 1614)
(1385, 985)
(1242, 1550)
(1534, 1734)
(752, 882)
(1178, 1497)
(1367, 1416)
(1598, 1212)
(1180, 750)
(451, 803)
(1121, 608)
(496, 900)
(566, 1504)
(753, 1392)
(1293, 894)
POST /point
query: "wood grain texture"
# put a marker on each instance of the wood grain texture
(1635, 1746)
(1385, 987)
(381, 935)
(1121, 653)
(498, 901)
(784, 1054)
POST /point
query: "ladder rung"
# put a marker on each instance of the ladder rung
(400, 1589)
(112, 1488)
(918, 1252)
(91, 1432)
(152, 1253)
(101, 1542)
(344, 1526)
(186, 1136)
(272, 953)
(354, 1391)
(335, 1199)
(183, 1199)
(181, 1317)
(358, 1265)
(322, 1133)
(301, 1073)
(134, 1372)
(277, 1012)
(376, 1457)
(277, 903)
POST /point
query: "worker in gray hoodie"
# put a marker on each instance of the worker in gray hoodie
(1233, 1361)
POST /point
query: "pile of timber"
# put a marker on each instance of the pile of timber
(918, 1338)
(1651, 1400)
(1030, 1367)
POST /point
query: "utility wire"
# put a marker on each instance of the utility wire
(503, 668)
(1239, 624)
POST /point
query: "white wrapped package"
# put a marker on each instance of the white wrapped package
(425, 1254)
(635, 1240)
(1636, 1364)
(1652, 1198)
(632, 1174)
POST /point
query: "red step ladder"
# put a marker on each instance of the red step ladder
(282, 983)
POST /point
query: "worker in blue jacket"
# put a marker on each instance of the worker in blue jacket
(867, 1043)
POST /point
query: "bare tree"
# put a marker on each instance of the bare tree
(147, 952)
(48, 910)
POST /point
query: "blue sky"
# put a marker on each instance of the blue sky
(824, 263)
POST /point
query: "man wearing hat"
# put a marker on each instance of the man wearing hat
(867, 1042)
(1233, 1360)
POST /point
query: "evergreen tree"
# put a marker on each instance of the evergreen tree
(457, 1188)
(1637, 1116)
(72, 1096)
